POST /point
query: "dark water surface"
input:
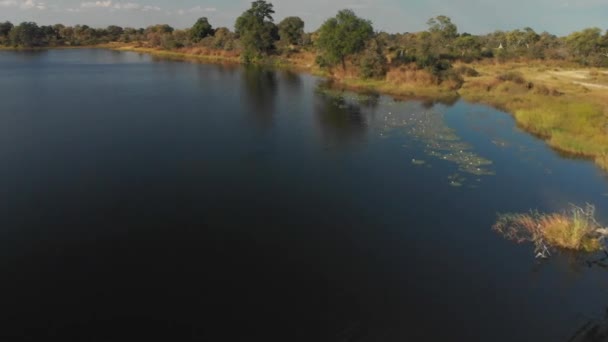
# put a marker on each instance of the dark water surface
(153, 199)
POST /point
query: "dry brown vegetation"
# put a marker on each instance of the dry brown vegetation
(575, 230)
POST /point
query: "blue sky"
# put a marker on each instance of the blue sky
(475, 16)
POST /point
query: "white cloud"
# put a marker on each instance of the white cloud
(23, 4)
(585, 3)
(8, 3)
(31, 4)
(202, 9)
(97, 4)
(112, 6)
(151, 8)
(196, 9)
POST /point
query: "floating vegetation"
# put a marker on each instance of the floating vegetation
(575, 230)
(439, 141)
(424, 126)
(418, 162)
(500, 143)
(456, 180)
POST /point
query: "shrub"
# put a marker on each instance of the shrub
(512, 76)
(467, 71)
(372, 62)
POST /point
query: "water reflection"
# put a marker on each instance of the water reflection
(260, 88)
(448, 101)
(291, 80)
(339, 120)
(219, 72)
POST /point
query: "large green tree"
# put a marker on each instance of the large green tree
(342, 36)
(26, 34)
(291, 30)
(442, 35)
(114, 32)
(201, 29)
(589, 47)
(256, 30)
(443, 26)
(467, 45)
(5, 28)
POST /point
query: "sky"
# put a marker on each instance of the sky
(474, 16)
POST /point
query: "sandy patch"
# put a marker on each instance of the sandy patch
(591, 85)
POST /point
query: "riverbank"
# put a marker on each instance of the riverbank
(564, 105)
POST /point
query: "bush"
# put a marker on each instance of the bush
(372, 62)
(467, 71)
(512, 76)
(542, 89)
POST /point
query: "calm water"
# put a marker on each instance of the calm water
(144, 198)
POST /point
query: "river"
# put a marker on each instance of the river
(144, 198)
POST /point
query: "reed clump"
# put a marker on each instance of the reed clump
(575, 230)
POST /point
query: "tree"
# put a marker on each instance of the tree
(257, 30)
(26, 34)
(291, 30)
(224, 39)
(5, 28)
(114, 32)
(585, 44)
(443, 26)
(342, 36)
(604, 45)
(467, 45)
(201, 29)
(159, 35)
(372, 61)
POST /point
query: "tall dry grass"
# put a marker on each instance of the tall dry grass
(575, 230)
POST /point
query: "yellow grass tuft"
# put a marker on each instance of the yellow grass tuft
(575, 230)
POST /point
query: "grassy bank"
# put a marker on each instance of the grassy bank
(185, 54)
(567, 107)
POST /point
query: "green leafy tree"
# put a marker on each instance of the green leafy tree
(585, 45)
(604, 45)
(343, 36)
(224, 39)
(443, 26)
(201, 29)
(114, 32)
(256, 30)
(467, 45)
(26, 34)
(5, 28)
(291, 30)
(372, 62)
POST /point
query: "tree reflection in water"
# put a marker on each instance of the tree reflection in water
(260, 92)
(340, 122)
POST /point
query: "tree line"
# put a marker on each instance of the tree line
(344, 40)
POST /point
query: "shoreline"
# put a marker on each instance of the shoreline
(568, 116)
